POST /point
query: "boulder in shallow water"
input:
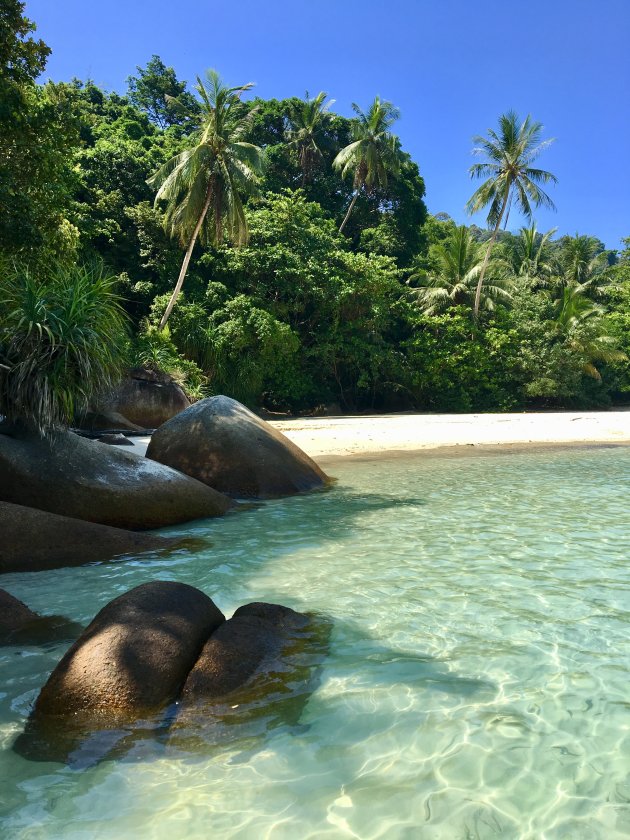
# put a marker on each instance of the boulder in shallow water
(252, 638)
(135, 654)
(226, 446)
(33, 540)
(19, 625)
(72, 476)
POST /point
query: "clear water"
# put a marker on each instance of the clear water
(476, 687)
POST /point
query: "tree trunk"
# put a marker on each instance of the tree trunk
(347, 216)
(187, 256)
(486, 259)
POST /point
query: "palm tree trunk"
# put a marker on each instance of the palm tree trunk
(486, 259)
(347, 216)
(187, 256)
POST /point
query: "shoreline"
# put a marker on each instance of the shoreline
(330, 439)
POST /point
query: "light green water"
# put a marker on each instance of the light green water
(477, 682)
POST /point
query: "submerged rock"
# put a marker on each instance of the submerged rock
(33, 540)
(121, 673)
(252, 638)
(221, 443)
(72, 476)
(19, 625)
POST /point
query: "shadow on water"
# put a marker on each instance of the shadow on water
(272, 701)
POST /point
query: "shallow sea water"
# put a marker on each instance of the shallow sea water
(477, 684)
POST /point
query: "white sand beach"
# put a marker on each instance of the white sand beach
(329, 438)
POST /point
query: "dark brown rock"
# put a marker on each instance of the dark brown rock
(72, 476)
(95, 421)
(19, 625)
(221, 443)
(147, 398)
(245, 644)
(33, 540)
(14, 615)
(134, 656)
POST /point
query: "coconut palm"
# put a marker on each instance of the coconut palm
(511, 179)
(62, 339)
(531, 258)
(204, 185)
(459, 259)
(582, 262)
(579, 321)
(307, 131)
(374, 154)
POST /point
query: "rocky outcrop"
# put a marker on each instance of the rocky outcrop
(72, 476)
(19, 625)
(252, 638)
(221, 443)
(146, 398)
(34, 540)
(134, 656)
(14, 615)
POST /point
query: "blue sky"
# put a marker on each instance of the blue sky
(451, 66)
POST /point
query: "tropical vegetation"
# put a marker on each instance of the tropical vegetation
(281, 253)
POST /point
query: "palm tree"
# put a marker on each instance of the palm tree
(374, 153)
(203, 186)
(531, 258)
(307, 132)
(459, 260)
(63, 336)
(579, 322)
(511, 178)
(582, 261)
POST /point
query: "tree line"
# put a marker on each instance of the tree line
(282, 253)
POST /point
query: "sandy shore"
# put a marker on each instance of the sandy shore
(329, 438)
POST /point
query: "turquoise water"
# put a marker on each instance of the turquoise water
(477, 684)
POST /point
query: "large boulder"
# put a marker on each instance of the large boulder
(134, 656)
(221, 443)
(72, 476)
(247, 643)
(33, 540)
(145, 397)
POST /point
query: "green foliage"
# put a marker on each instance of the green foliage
(62, 339)
(153, 91)
(457, 262)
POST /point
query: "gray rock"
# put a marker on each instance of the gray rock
(72, 476)
(33, 540)
(115, 439)
(145, 397)
(19, 625)
(221, 443)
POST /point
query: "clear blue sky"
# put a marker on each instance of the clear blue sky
(451, 66)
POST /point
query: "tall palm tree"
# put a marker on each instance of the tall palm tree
(511, 177)
(531, 257)
(374, 154)
(307, 131)
(459, 259)
(203, 186)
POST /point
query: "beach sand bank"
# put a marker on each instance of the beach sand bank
(329, 438)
